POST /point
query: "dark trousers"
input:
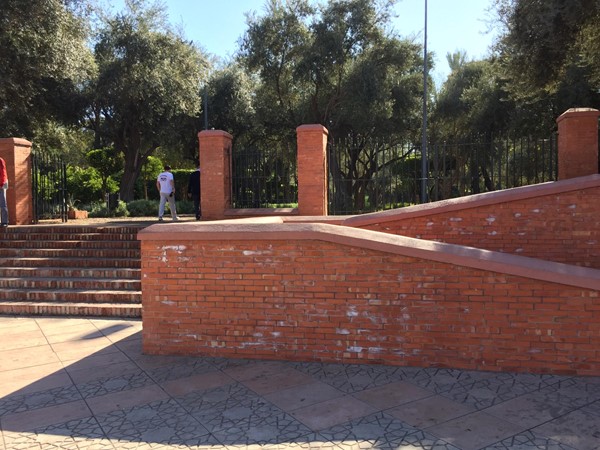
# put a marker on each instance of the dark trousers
(196, 199)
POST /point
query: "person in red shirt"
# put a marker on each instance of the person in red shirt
(4, 187)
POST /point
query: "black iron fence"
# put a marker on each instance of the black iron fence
(49, 186)
(264, 178)
(372, 175)
(368, 175)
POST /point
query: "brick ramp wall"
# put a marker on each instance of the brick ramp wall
(556, 221)
(321, 292)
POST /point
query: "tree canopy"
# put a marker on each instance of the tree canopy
(148, 82)
(335, 65)
(548, 51)
(78, 82)
(45, 62)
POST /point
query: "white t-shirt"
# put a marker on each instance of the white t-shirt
(165, 179)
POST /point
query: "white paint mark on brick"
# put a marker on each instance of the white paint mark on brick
(375, 350)
(517, 215)
(430, 224)
(176, 248)
(456, 219)
(354, 349)
(342, 331)
(167, 302)
(572, 206)
(537, 211)
(493, 233)
(256, 253)
(352, 312)
(491, 219)
(276, 334)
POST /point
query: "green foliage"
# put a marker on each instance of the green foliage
(548, 51)
(84, 185)
(472, 101)
(231, 101)
(338, 67)
(148, 84)
(142, 208)
(107, 163)
(100, 209)
(45, 59)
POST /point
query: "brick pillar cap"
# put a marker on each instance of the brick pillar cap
(312, 127)
(16, 141)
(215, 133)
(579, 112)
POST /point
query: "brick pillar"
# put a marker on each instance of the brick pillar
(577, 143)
(312, 170)
(17, 155)
(215, 165)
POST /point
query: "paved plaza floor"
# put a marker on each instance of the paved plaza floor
(78, 383)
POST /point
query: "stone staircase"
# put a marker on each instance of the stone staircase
(64, 270)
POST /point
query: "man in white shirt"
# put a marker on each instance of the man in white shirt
(165, 183)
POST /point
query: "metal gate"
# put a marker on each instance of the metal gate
(49, 186)
(265, 178)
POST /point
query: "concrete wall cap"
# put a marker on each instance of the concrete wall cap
(522, 266)
(313, 128)
(16, 141)
(214, 133)
(578, 112)
(474, 201)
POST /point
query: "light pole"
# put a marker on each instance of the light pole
(424, 168)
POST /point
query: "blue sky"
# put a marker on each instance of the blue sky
(452, 25)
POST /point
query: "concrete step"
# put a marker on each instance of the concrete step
(70, 283)
(42, 234)
(71, 272)
(68, 253)
(70, 309)
(70, 244)
(71, 295)
(87, 263)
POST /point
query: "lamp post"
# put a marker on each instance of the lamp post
(424, 165)
(205, 108)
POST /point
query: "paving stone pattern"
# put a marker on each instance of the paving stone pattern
(81, 383)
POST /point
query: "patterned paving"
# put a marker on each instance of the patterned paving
(113, 397)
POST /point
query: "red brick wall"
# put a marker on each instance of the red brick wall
(346, 298)
(578, 143)
(555, 222)
(312, 170)
(215, 164)
(17, 155)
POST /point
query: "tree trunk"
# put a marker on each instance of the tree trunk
(131, 172)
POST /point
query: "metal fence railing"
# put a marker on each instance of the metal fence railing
(264, 178)
(368, 175)
(374, 175)
(49, 187)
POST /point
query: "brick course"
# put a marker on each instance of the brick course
(553, 221)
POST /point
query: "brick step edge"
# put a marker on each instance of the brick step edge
(71, 272)
(94, 245)
(86, 263)
(62, 283)
(69, 253)
(70, 309)
(71, 296)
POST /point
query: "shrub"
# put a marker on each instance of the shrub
(100, 209)
(142, 208)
